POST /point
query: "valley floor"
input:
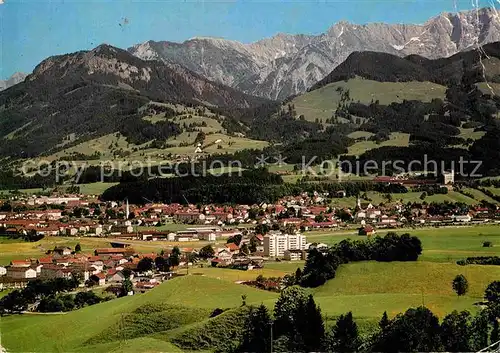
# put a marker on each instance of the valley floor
(365, 288)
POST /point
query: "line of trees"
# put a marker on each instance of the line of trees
(297, 325)
(37, 290)
(480, 260)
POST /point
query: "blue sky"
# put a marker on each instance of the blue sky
(31, 30)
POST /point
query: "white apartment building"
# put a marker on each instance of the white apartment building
(275, 245)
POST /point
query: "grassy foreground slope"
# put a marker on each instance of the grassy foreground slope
(80, 330)
(176, 315)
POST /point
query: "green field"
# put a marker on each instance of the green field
(228, 144)
(470, 133)
(82, 330)
(95, 188)
(377, 198)
(397, 139)
(366, 288)
(488, 88)
(494, 190)
(395, 286)
(447, 244)
(478, 195)
(322, 103)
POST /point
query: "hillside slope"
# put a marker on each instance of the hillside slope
(367, 77)
(474, 65)
(94, 93)
(82, 330)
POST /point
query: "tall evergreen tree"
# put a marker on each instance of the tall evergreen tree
(298, 275)
(384, 321)
(495, 333)
(257, 336)
(344, 336)
(310, 329)
(479, 331)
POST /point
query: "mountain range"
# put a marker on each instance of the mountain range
(91, 93)
(286, 65)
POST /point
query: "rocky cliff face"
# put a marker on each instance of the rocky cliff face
(289, 64)
(13, 80)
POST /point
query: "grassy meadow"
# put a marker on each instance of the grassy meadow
(322, 103)
(175, 315)
(397, 139)
(82, 330)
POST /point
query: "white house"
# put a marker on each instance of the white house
(21, 272)
(464, 219)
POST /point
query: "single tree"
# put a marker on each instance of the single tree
(126, 286)
(460, 285)
(495, 332)
(235, 239)
(252, 247)
(344, 336)
(145, 264)
(174, 258)
(162, 264)
(78, 248)
(298, 275)
(207, 252)
(244, 249)
(384, 321)
(127, 272)
(310, 327)
(286, 308)
(492, 292)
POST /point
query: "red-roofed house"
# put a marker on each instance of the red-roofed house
(233, 248)
(20, 263)
(100, 278)
(113, 275)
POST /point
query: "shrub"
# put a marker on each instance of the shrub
(487, 244)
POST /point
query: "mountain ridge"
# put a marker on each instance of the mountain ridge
(97, 92)
(16, 78)
(286, 64)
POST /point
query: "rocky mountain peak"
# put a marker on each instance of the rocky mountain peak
(288, 64)
(12, 80)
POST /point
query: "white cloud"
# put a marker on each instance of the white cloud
(1, 2)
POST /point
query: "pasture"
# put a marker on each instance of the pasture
(366, 288)
(322, 103)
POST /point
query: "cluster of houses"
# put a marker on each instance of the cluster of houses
(107, 266)
(78, 215)
(81, 215)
